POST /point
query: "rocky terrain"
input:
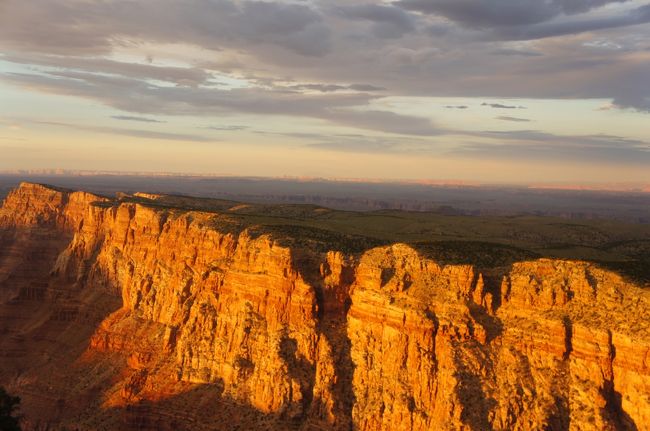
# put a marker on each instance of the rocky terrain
(627, 203)
(150, 312)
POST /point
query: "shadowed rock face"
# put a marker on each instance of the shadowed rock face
(125, 315)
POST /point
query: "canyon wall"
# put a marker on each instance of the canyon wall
(132, 315)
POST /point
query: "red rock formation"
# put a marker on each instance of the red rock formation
(121, 315)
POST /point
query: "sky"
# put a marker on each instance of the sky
(498, 91)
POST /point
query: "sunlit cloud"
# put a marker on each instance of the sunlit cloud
(407, 78)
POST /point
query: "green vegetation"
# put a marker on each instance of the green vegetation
(484, 241)
(9, 404)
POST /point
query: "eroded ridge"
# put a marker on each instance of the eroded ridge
(140, 313)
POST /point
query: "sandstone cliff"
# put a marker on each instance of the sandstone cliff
(135, 314)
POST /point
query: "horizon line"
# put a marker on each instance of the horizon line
(627, 187)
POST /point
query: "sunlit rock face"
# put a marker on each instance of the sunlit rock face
(126, 315)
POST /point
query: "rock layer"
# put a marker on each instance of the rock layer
(132, 315)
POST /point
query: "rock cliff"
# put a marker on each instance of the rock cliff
(140, 314)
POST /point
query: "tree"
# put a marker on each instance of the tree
(8, 407)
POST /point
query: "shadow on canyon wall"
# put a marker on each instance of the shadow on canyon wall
(64, 329)
(203, 407)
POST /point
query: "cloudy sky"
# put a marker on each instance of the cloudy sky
(480, 90)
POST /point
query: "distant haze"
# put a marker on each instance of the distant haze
(363, 195)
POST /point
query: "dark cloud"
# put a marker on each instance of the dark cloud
(630, 89)
(438, 29)
(296, 27)
(456, 107)
(640, 15)
(502, 13)
(502, 106)
(639, 102)
(482, 14)
(570, 7)
(366, 87)
(389, 21)
(132, 118)
(513, 119)
(65, 27)
(516, 52)
(528, 19)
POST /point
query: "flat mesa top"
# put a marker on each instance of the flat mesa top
(483, 241)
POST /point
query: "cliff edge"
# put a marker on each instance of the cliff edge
(154, 312)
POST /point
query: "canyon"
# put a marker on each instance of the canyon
(155, 312)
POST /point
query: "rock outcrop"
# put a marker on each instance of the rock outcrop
(131, 314)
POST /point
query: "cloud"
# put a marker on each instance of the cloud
(633, 91)
(360, 143)
(368, 145)
(227, 128)
(530, 145)
(551, 153)
(502, 106)
(149, 134)
(513, 119)
(384, 121)
(137, 133)
(178, 75)
(535, 145)
(329, 61)
(438, 30)
(92, 27)
(528, 19)
(481, 14)
(606, 107)
(366, 87)
(131, 118)
(389, 21)
(329, 88)
(584, 141)
(323, 88)
(323, 44)
(146, 98)
(137, 96)
(516, 52)
(640, 15)
(502, 13)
